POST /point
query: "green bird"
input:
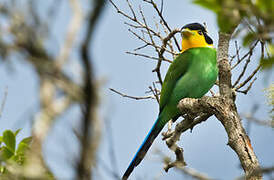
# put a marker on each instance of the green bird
(191, 75)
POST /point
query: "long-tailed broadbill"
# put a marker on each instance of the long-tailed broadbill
(191, 75)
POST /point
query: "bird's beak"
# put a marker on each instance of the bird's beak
(186, 33)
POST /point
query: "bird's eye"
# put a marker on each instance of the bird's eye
(200, 32)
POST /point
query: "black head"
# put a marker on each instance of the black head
(195, 26)
(198, 26)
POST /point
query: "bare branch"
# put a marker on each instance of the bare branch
(239, 60)
(248, 88)
(159, 12)
(122, 13)
(141, 47)
(250, 118)
(149, 57)
(3, 101)
(132, 97)
(244, 69)
(249, 78)
(73, 28)
(266, 170)
(108, 170)
(165, 40)
(171, 137)
(227, 113)
(155, 92)
(133, 19)
(179, 162)
(89, 140)
(131, 9)
(193, 173)
(111, 148)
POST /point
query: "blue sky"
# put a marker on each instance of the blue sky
(205, 148)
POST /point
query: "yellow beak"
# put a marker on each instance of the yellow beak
(187, 32)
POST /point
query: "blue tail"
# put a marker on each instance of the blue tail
(139, 156)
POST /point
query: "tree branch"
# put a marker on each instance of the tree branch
(226, 112)
(87, 154)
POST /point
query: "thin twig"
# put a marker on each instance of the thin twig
(155, 92)
(248, 88)
(244, 56)
(111, 148)
(248, 78)
(165, 40)
(169, 42)
(162, 6)
(134, 19)
(193, 173)
(163, 19)
(146, 26)
(250, 118)
(141, 47)
(253, 73)
(132, 97)
(131, 9)
(244, 69)
(149, 43)
(237, 53)
(172, 137)
(149, 57)
(71, 35)
(3, 101)
(108, 169)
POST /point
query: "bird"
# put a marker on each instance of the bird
(191, 75)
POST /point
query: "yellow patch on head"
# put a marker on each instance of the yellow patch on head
(193, 38)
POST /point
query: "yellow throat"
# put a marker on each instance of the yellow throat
(194, 38)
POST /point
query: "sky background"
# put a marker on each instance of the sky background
(205, 148)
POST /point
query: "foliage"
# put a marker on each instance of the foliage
(256, 16)
(268, 63)
(11, 154)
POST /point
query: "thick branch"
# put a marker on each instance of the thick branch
(237, 137)
(90, 97)
(223, 65)
(225, 110)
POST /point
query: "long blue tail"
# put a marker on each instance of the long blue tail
(139, 156)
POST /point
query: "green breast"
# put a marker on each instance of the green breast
(191, 74)
(202, 72)
(200, 76)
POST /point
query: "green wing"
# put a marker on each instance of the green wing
(176, 70)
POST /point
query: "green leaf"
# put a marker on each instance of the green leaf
(1, 139)
(17, 131)
(209, 4)
(22, 147)
(6, 153)
(248, 39)
(267, 63)
(2, 169)
(27, 140)
(225, 23)
(265, 5)
(9, 140)
(21, 150)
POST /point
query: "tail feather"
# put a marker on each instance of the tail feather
(139, 156)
